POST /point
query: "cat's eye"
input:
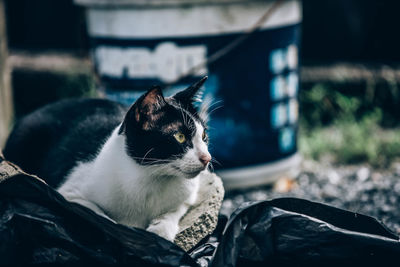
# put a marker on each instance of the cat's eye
(204, 136)
(180, 137)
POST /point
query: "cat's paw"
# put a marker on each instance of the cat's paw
(164, 228)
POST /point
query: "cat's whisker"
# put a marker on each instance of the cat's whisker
(157, 163)
(211, 167)
(151, 158)
(212, 105)
(185, 116)
(216, 102)
(215, 109)
(147, 154)
(153, 161)
(216, 161)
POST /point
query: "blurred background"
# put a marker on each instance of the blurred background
(349, 78)
(349, 70)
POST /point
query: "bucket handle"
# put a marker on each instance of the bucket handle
(231, 46)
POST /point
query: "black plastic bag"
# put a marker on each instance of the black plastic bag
(39, 227)
(294, 232)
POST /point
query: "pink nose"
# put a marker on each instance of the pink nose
(205, 159)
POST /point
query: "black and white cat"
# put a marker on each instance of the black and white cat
(139, 167)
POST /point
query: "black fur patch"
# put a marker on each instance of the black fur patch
(52, 140)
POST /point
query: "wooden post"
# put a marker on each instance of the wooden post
(6, 107)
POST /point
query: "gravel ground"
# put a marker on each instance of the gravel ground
(357, 188)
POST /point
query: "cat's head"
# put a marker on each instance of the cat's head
(168, 134)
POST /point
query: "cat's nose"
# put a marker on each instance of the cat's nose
(205, 158)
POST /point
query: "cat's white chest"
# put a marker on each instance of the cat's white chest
(151, 199)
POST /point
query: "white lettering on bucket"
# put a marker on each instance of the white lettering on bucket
(166, 62)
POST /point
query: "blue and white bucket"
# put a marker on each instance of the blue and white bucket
(138, 43)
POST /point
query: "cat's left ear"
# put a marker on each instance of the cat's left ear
(145, 110)
(191, 94)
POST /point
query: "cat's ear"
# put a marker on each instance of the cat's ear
(149, 103)
(190, 94)
(145, 110)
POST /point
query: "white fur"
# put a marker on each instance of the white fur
(149, 197)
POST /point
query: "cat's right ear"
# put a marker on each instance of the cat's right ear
(145, 110)
(190, 94)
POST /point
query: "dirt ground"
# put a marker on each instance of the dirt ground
(357, 188)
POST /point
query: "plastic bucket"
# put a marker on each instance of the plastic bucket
(137, 44)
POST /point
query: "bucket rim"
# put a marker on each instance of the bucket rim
(159, 3)
(260, 174)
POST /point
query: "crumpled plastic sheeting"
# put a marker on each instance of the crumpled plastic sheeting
(39, 227)
(296, 232)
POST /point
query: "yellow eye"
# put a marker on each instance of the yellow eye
(204, 137)
(180, 137)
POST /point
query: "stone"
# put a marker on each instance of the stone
(284, 185)
(363, 174)
(202, 218)
(7, 169)
(334, 177)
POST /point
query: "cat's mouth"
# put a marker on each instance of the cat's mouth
(191, 173)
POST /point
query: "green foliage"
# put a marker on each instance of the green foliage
(322, 105)
(348, 138)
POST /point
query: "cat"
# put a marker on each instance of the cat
(139, 166)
